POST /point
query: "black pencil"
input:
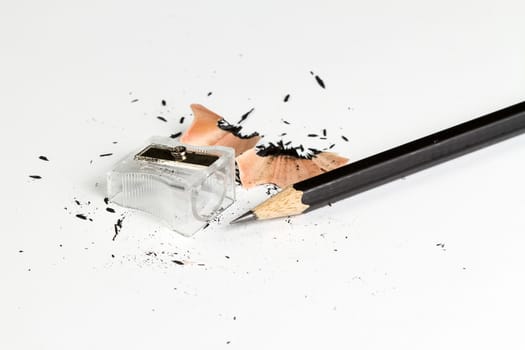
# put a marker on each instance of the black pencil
(392, 164)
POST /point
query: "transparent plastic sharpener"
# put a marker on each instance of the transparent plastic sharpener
(185, 186)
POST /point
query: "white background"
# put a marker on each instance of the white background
(366, 273)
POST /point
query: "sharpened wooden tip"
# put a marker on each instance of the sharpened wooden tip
(285, 203)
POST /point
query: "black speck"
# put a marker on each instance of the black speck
(270, 189)
(276, 149)
(287, 123)
(313, 135)
(43, 158)
(320, 82)
(35, 176)
(344, 138)
(234, 129)
(77, 201)
(331, 146)
(20, 251)
(106, 155)
(161, 118)
(106, 200)
(286, 98)
(117, 227)
(324, 132)
(113, 255)
(283, 134)
(209, 93)
(329, 204)
(178, 262)
(312, 73)
(237, 175)
(111, 210)
(227, 256)
(135, 100)
(245, 115)
(81, 216)
(206, 226)
(174, 136)
(163, 102)
(181, 120)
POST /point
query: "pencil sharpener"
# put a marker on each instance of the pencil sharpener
(185, 186)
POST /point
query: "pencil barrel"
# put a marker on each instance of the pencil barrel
(411, 157)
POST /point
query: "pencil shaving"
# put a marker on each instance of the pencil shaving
(327, 161)
(273, 163)
(210, 129)
(284, 170)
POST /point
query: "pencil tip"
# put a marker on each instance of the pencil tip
(248, 216)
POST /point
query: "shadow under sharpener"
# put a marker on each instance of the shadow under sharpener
(185, 186)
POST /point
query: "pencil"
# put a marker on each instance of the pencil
(392, 164)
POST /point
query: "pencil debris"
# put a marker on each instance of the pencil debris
(283, 166)
(117, 227)
(210, 129)
(245, 115)
(320, 82)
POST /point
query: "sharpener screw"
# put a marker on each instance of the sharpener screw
(179, 152)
